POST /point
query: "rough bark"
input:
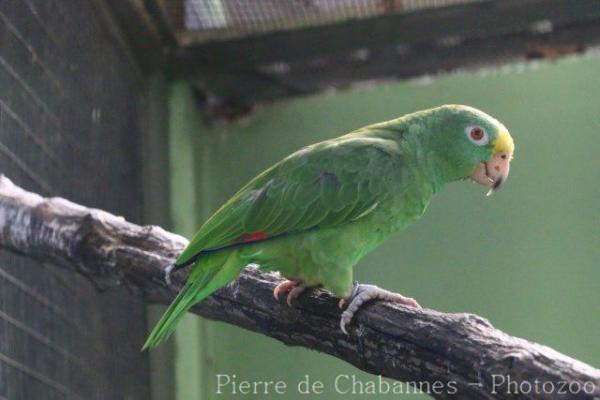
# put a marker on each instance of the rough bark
(453, 355)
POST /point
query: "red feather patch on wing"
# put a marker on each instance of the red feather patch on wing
(251, 237)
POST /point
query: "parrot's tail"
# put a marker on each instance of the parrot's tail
(209, 273)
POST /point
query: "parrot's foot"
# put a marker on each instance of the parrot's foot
(295, 289)
(362, 293)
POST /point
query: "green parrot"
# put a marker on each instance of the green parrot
(313, 215)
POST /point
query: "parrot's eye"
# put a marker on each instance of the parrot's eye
(477, 135)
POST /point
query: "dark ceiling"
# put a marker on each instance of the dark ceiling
(242, 52)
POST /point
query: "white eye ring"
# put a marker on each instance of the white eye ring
(477, 135)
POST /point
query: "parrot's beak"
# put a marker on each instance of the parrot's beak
(493, 173)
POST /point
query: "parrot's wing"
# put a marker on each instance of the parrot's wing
(324, 185)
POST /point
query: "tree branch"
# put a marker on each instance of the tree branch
(452, 355)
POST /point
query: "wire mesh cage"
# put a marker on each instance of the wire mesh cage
(209, 20)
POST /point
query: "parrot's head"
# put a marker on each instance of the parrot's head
(472, 144)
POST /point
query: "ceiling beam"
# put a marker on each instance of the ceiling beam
(486, 19)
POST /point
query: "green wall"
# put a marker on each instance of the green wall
(527, 258)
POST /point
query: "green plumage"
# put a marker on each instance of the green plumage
(326, 206)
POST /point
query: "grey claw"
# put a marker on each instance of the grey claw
(343, 326)
(295, 293)
(361, 294)
(345, 319)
